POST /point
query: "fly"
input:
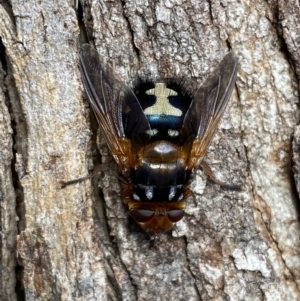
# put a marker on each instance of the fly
(158, 133)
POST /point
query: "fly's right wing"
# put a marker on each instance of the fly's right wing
(117, 109)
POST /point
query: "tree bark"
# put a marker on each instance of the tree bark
(78, 243)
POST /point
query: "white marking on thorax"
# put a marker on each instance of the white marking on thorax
(136, 197)
(149, 192)
(162, 105)
(172, 192)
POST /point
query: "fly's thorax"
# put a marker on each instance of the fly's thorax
(160, 174)
(158, 151)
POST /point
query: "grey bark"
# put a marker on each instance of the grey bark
(79, 243)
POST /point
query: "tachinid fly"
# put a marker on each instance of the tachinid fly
(157, 133)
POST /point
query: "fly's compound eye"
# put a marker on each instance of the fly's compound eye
(142, 215)
(175, 215)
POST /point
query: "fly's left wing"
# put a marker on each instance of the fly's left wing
(117, 109)
(207, 108)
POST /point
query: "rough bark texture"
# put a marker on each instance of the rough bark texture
(72, 244)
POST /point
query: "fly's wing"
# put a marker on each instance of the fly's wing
(116, 107)
(208, 106)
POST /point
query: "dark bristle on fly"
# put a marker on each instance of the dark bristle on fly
(158, 131)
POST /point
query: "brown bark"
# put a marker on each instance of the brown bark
(72, 244)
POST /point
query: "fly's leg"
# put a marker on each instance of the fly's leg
(97, 170)
(218, 179)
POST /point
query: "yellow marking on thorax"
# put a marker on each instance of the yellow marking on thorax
(162, 105)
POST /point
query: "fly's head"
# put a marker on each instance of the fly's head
(155, 217)
(158, 217)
